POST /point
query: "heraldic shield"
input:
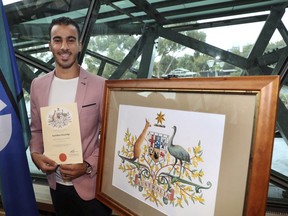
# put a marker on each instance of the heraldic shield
(157, 146)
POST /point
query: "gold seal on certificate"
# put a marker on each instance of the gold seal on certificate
(61, 133)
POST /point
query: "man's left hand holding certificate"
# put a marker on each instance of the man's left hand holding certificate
(61, 133)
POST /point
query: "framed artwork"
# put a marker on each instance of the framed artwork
(199, 146)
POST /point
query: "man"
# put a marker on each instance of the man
(72, 186)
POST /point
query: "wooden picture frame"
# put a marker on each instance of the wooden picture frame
(249, 105)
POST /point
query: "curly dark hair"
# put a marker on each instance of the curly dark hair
(64, 21)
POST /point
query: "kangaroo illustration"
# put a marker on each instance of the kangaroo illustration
(137, 145)
(139, 141)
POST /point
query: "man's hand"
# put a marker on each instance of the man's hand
(72, 171)
(43, 163)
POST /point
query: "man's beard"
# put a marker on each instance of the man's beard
(65, 66)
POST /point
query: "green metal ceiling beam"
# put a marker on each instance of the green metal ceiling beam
(88, 25)
(262, 42)
(130, 58)
(148, 56)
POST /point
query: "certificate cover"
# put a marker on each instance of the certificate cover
(61, 133)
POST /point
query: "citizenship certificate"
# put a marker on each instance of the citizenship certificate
(61, 133)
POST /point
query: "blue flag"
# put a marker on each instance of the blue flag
(15, 180)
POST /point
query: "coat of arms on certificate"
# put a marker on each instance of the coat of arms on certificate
(61, 133)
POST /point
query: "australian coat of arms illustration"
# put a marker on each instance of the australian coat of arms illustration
(163, 171)
(59, 118)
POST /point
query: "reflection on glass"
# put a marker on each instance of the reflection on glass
(280, 159)
(284, 95)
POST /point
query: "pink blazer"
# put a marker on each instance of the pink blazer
(89, 99)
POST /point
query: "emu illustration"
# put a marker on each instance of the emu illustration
(177, 151)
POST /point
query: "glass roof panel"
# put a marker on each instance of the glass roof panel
(114, 18)
(124, 4)
(6, 2)
(285, 18)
